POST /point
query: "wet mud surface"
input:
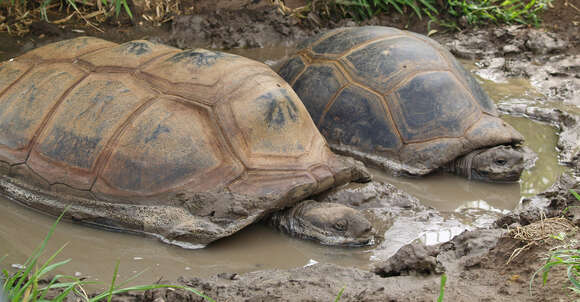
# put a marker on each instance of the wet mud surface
(474, 262)
(475, 259)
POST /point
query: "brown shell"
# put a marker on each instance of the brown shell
(190, 145)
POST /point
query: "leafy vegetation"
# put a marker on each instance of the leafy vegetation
(27, 283)
(16, 16)
(472, 12)
(339, 295)
(570, 258)
(44, 5)
(567, 257)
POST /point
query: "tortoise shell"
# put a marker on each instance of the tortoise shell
(393, 98)
(190, 145)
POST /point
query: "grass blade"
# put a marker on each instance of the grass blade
(442, 288)
(339, 294)
(575, 194)
(115, 274)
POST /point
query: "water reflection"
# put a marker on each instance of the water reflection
(480, 205)
(447, 192)
(439, 236)
(542, 139)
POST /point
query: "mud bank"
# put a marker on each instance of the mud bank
(474, 262)
(567, 123)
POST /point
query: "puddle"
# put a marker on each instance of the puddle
(94, 252)
(447, 192)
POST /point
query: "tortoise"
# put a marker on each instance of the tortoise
(188, 146)
(400, 101)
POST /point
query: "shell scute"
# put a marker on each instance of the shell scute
(269, 126)
(375, 64)
(319, 83)
(480, 96)
(432, 105)
(354, 117)
(128, 55)
(168, 145)
(292, 68)
(67, 49)
(489, 131)
(193, 74)
(423, 158)
(82, 126)
(345, 40)
(26, 104)
(10, 71)
(266, 183)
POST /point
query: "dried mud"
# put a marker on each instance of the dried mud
(474, 261)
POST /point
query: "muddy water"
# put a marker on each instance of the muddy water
(463, 203)
(449, 192)
(94, 251)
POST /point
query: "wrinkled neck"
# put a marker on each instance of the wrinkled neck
(462, 165)
(287, 220)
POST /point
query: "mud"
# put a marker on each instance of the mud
(474, 262)
(406, 269)
(550, 203)
(398, 217)
(550, 61)
(567, 123)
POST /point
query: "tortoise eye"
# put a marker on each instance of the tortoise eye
(341, 225)
(501, 162)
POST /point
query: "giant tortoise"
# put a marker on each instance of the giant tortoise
(401, 101)
(189, 146)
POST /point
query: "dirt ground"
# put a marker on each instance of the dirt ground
(475, 261)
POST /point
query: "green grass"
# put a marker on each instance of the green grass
(446, 12)
(442, 288)
(25, 284)
(567, 257)
(339, 294)
(45, 5)
(570, 258)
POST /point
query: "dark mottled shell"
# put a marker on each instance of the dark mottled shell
(394, 98)
(132, 134)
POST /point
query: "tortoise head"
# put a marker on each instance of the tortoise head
(498, 164)
(328, 223)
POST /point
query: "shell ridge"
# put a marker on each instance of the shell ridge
(330, 103)
(50, 114)
(152, 79)
(17, 80)
(31, 171)
(408, 78)
(468, 90)
(104, 156)
(154, 59)
(307, 62)
(367, 43)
